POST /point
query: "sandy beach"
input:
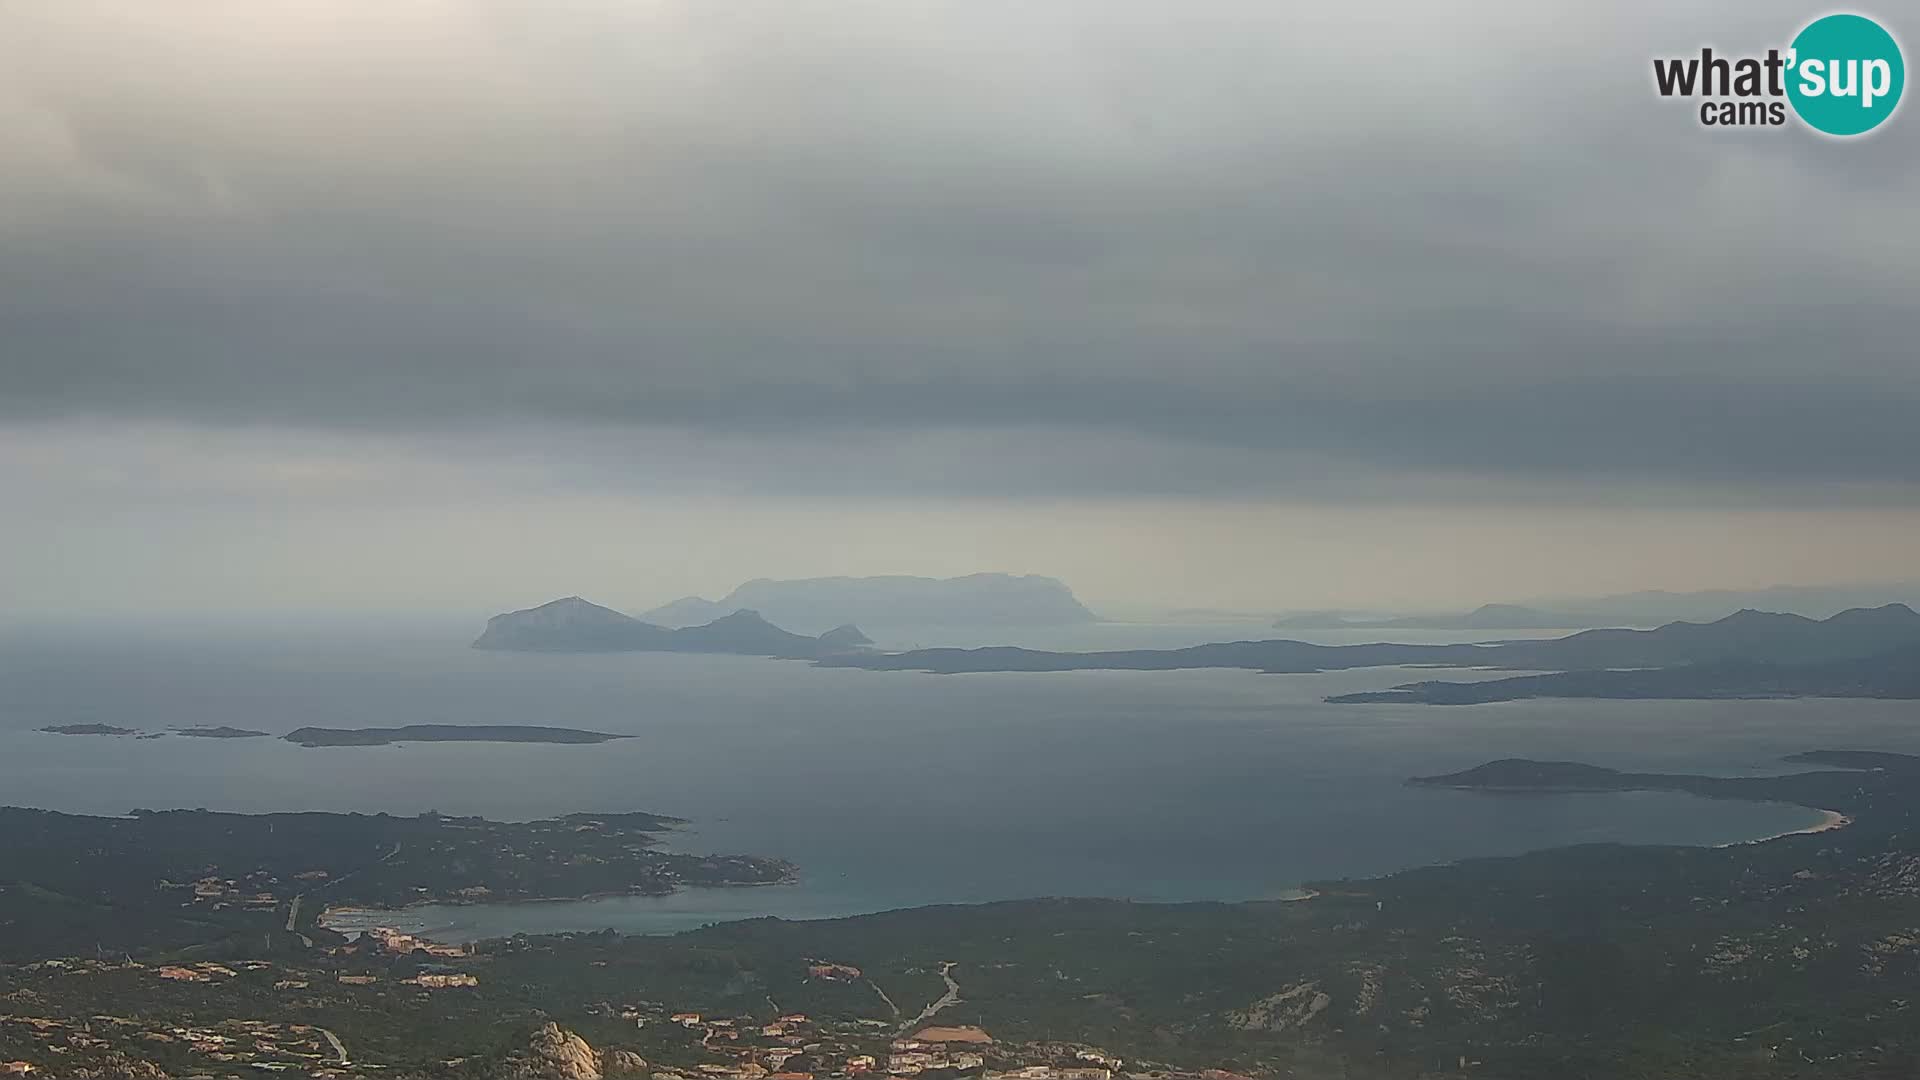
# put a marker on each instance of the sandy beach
(1829, 821)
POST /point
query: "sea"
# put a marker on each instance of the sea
(886, 789)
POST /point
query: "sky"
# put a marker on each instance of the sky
(464, 304)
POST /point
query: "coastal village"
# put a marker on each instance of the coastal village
(679, 1043)
(307, 985)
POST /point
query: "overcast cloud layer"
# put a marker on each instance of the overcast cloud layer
(1240, 252)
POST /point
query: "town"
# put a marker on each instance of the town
(370, 971)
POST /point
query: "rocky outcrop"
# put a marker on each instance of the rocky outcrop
(624, 1063)
(1292, 1007)
(117, 1066)
(554, 1053)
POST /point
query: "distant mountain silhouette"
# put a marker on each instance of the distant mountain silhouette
(1758, 636)
(1647, 608)
(809, 603)
(845, 637)
(742, 632)
(573, 625)
(686, 611)
(1652, 607)
(1752, 636)
(1484, 617)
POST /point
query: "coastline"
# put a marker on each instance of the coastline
(1829, 821)
(359, 912)
(358, 918)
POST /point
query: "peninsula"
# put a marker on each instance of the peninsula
(1861, 636)
(1895, 675)
(163, 879)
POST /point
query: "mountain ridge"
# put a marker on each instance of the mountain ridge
(889, 599)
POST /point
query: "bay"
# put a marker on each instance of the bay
(887, 789)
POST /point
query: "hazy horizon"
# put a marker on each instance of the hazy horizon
(1813, 600)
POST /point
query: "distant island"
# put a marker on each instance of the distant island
(87, 729)
(514, 733)
(574, 625)
(1861, 652)
(890, 600)
(1753, 637)
(220, 732)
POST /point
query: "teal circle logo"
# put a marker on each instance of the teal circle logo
(1845, 74)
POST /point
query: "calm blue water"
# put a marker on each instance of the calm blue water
(888, 789)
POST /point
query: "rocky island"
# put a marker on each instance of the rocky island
(87, 729)
(574, 625)
(515, 733)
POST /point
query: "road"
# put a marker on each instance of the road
(339, 1047)
(951, 997)
(293, 909)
